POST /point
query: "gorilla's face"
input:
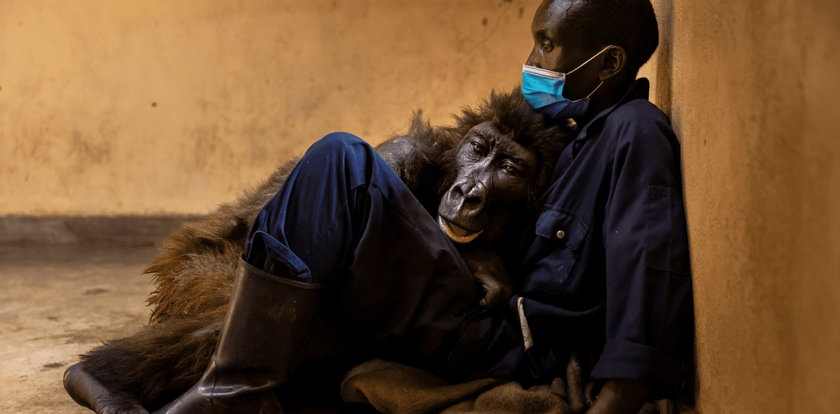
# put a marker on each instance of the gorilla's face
(494, 180)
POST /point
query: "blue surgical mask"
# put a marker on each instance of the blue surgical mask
(543, 89)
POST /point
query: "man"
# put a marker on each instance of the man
(344, 259)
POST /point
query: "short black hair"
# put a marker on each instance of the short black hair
(630, 24)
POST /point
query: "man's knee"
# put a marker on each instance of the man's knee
(337, 143)
(343, 154)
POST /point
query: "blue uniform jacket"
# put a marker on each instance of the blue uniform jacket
(608, 264)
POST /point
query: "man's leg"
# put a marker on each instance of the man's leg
(345, 220)
(343, 239)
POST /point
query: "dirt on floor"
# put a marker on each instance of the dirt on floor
(57, 302)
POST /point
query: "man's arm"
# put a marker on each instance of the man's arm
(648, 300)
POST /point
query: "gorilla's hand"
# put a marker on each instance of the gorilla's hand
(489, 271)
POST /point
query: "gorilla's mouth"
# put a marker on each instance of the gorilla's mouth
(457, 233)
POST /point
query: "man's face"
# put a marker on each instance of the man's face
(557, 47)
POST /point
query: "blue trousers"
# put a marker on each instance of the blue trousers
(395, 285)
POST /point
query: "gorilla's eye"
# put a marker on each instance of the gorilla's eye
(510, 168)
(477, 148)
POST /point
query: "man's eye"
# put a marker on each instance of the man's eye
(547, 46)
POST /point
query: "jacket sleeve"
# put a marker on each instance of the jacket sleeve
(648, 294)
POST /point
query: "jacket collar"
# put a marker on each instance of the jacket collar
(639, 89)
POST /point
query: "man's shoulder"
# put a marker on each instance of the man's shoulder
(639, 112)
(639, 122)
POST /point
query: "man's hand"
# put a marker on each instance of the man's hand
(621, 396)
(490, 272)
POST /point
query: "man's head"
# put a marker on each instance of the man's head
(568, 32)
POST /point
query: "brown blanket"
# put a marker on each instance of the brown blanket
(390, 387)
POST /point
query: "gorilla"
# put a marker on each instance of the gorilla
(482, 179)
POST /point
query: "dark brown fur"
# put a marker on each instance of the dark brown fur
(194, 271)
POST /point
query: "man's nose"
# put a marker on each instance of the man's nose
(533, 59)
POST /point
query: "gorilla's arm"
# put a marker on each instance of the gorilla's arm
(489, 271)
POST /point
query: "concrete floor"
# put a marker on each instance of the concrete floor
(57, 302)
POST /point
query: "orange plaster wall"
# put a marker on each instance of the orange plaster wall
(166, 107)
(754, 93)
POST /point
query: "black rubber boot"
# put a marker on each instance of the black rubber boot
(88, 392)
(263, 337)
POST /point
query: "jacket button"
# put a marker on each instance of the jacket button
(560, 234)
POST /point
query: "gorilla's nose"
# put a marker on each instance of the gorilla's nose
(469, 195)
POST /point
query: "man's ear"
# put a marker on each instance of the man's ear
(613, 61)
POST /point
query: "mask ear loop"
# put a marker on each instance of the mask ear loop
(589, 60)
(596, 88)
(584, 64)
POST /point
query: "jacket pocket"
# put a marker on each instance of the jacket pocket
(560, 234)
